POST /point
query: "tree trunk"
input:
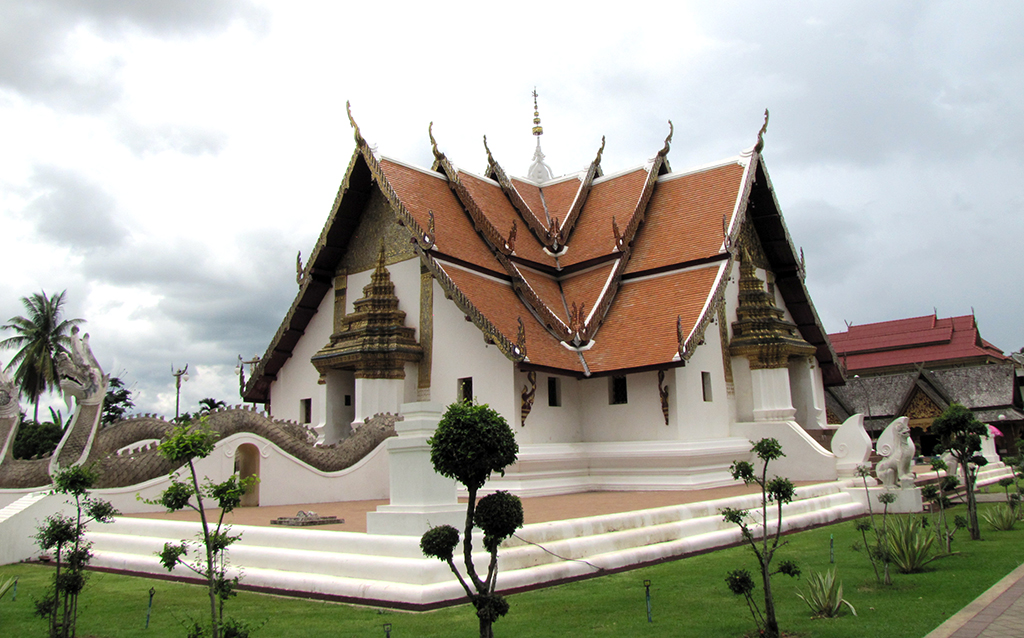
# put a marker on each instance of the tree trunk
(771, 626)
(486, 630)
(972, 504)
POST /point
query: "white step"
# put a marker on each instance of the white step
(391, 570)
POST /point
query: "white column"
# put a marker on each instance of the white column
(376, 396)
(772, 400)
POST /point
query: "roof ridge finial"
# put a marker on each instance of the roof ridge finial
(760, 134)
(539, 171)
(433, 143)
(351, 120)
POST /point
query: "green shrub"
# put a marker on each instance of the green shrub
(1002, 518)
(825, 595)
(910, 543)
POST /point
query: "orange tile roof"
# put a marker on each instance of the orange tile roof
(640, 328)
(560, 197)
(499, 303)
(421, 193)
(585, 287)
(616, 197)
(684, 218)
(531, 197)
(548, 290)
(499, 211)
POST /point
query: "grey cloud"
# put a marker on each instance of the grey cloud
(73, 211)
(145, 140)
(33, 38)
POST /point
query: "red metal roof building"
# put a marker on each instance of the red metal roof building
(902, 344)
(916, 367)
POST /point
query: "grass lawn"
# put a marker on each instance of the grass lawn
(689, 598)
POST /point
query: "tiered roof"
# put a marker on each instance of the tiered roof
(903, 343)
(584, 274)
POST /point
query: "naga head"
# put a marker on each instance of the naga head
(9, 405)
(80, 374)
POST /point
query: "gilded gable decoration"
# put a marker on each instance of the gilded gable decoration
(374, 341)
(760, 332)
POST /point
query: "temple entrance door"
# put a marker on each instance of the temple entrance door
(247, 463)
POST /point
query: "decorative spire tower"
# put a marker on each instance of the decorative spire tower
(539, 171)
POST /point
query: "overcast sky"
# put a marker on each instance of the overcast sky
(164, 161)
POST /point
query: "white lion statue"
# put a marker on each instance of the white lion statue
(894, 470)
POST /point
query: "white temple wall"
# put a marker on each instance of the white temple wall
(297, 379)
(639, 419)
(546, 423)
(459, 352)
(699, 415)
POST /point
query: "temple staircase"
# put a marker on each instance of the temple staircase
(391, 570)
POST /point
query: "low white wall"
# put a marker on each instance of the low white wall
(804, 460)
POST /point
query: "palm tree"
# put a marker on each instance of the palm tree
(41, 336)
(210, 404)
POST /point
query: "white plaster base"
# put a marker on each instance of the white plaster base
(566, 468)
(420, 497)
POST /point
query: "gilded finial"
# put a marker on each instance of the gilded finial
(351, 120)
(760, 134)
(668, 140)
(433, 143)
(537, 128)
(600, 152)
(381, 258)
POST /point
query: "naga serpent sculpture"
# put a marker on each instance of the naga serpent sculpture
(119, 451)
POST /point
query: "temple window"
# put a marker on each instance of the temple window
(617, 391)
(306, 410)
(705, 379)
(465, 393)
(554, 392)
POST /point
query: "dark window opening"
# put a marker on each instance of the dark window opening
(705, 380)
(306, 410)
(466, 390)
(348, 400)
(554, 392)
(617, 391)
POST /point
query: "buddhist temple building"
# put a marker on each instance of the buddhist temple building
(916, 367)
(637, 327)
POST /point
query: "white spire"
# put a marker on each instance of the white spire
(539, 171)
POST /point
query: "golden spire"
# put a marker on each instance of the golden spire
(537, 128)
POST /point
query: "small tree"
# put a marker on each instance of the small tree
(780, 491)
(185, 445)
(470, 442)
(117, 402)
(937, 493)
(960, 434)
(65, 537)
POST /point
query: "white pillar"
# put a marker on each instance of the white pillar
(420, 497)
(377, 396)
(772, 400)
